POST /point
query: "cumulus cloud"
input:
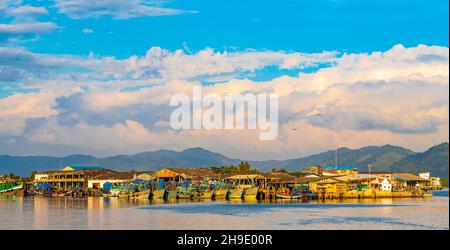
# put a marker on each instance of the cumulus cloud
(163, 65)
(399, 96)
(16, 109)
(118, 9)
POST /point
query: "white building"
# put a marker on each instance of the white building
(383, 184)
(38, 177)
(386, 185)
(425, 175)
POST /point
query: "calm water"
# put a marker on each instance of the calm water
(105, 213)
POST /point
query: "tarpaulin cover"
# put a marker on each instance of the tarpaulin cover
(107, 185)
(138, 181)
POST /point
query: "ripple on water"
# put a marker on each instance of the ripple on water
(236, 209)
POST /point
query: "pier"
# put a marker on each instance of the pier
(322, 183)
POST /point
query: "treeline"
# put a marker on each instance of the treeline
(14, 177)
(242, 167)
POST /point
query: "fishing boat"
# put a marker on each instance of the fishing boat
(288, 196)
(114, 192)
(158, 193)
(124, 194)
(185, 192)
(219, 193)
(204, 191)
(11, 189)
(145, 194)
(244, 186)
(285, 193)
(235, 193)
(170, 194)
(250, 192)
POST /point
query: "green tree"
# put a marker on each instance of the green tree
(359, 186)
(244, 166)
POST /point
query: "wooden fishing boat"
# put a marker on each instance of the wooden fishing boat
(250, 193)
(145, 194)
(158, 194)
(235, 193)
(8, 189)
(204, 191)
(219, 193)
(184, 193)
(16, 192)
(207, 194)
(170, 194)
(124, 195)
(114, 192)
(288, 196)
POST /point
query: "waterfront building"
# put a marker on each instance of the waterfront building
(328, 185)
(383, 184)
(338, 170)
(112, 177)
(81, 177)
(78, 168)
(407, 180)
(143, 175)
(183, 174)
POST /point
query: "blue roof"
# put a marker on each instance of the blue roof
(85, 167)
(339, 168)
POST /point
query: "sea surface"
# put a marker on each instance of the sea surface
(113, 213)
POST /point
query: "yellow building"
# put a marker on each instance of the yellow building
(339, 170)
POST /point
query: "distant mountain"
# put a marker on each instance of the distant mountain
(192, 157)
(434, 160)
(23, 166)
(382, 158)
(387, 157)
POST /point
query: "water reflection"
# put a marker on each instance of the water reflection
(115, 213)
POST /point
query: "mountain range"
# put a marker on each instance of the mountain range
(387, 157)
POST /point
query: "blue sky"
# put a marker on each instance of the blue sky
(306, 26)
(78, 76)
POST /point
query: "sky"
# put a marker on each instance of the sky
(96, 77)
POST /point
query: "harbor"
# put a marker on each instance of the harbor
(243, 183)
(56, 213)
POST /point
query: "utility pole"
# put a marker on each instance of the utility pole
(336, 157)
(369, 167)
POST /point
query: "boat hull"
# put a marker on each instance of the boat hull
(170, 194)
(158, 194)
(184, 196)
(205, 195)
(142, 195)
(219, 194)
(251, 193)
(17, 192)
(290, 197)
(235, 193)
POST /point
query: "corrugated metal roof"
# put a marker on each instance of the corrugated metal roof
(408, 177)
(339, 168)
(195, 173)
(81, 167)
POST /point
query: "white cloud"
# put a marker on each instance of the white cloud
(17, 108)
(28, 28)
(399, 96)
(21, 21)
(118, 9)
(87, 31)
(25, 10)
